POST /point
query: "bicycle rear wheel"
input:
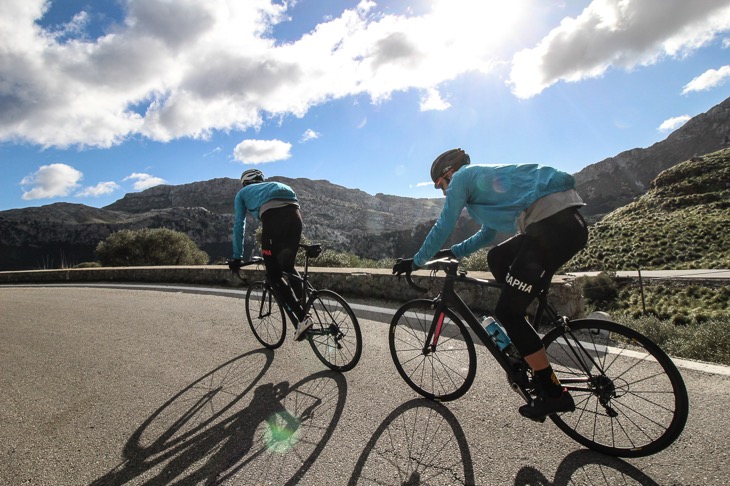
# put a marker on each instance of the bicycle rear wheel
(335, 336)
(630, 399)
(442, 370)
(265, 315)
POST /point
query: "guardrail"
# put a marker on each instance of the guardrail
(350, 282)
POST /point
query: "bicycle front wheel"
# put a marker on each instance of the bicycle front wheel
(335, 336)
(433, 352)
(630, 399)
(265, 315)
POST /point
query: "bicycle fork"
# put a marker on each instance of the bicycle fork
(434, 334)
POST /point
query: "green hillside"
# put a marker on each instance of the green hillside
(682, 222)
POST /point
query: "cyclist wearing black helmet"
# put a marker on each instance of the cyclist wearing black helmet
(541, 203)
(276, 206)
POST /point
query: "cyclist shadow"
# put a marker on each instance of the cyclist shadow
(206, 434)
(586, 467)
(420, 442)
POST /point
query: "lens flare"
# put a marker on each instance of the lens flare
(282, 432)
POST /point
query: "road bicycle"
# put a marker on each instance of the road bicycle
(335, 335)
(630, 398)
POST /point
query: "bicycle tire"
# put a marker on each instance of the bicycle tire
(335, 336)
(632, 401)
(265, 315)
(444, 373)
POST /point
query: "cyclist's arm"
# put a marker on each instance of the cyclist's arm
(436, 238)
(480, 239)
(239, 226)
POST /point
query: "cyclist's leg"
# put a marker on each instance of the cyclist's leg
(524, 279)
(536, 256)
(280, 234)
(527, 277)
(547, 245)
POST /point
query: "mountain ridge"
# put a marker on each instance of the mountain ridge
(616, 181)
(681, 222)
(344, 219)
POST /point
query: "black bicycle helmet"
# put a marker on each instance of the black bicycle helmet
(251, 176)
(449, 160)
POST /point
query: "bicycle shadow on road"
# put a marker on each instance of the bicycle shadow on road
(586, 467)
(227, 422)
(420, 442)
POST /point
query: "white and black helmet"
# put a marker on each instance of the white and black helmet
(251, 176)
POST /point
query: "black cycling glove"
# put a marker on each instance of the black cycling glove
(404, 265)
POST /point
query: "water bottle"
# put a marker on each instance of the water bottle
(499, 336)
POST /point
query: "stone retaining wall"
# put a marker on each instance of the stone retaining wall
(362, 283)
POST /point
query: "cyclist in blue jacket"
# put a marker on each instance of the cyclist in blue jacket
(541, 203)
(276, 206)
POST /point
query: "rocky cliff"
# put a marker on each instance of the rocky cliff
(347, 220)
(616, 181)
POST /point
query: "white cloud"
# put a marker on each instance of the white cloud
(673, 123)
(617, 33)
(100, 189)
(261, 151)
(711, 78)
(189, 68)
(144, 181)
(214, 151)
(308, 135)
(50, 181)
(431, 100)
(73, 28)
(424, 184)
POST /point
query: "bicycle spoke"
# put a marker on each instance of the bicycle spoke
(335, 337)
(443, 371)
(634, 402)
(265, 316)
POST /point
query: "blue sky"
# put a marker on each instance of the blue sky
(103, 97)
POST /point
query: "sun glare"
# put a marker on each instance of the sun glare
(490, 20)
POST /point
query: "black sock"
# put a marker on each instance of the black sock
(548, 382)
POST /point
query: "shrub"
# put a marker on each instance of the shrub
(600, 291)
(476, 262)
(159, 246)
(708, 341)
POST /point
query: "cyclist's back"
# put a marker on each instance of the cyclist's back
(275, 205)
(543, 203)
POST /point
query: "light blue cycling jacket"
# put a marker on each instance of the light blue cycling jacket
(494, 196)
(251, 198)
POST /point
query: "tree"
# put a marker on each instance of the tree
(149, 247)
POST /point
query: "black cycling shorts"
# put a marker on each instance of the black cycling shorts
(526, 264)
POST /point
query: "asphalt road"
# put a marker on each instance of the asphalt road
(119, 386)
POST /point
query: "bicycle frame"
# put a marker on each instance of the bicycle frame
(630, 397)
(309, 293)
(448, 298)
